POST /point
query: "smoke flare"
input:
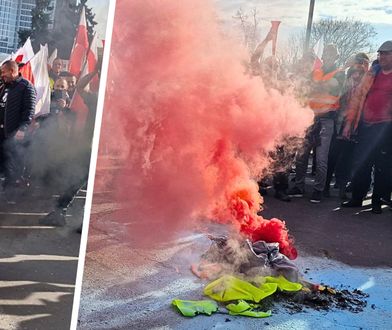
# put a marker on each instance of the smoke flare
(194, 130)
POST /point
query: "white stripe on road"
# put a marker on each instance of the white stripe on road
(27, 227)
(25, 213)
(15, 284)
(26, 257)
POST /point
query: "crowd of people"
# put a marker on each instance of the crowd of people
(350, 137)
(52, 150)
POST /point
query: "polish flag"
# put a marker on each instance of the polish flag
(79, 108)
(52, 57)
(318, 51)
(77, 104)
(25, 53)
(80, 47)
(274, 35)
(92, 61)
(36, 71)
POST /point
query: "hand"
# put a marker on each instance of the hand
(61, 103)
(19, 136)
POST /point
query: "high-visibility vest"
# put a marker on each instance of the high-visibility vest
(322, 102)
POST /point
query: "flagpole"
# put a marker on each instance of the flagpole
(309, 26)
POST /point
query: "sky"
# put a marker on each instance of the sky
(100, 8)
(294, 13)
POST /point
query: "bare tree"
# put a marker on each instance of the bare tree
(292, 50)
(349, 35)
(250, 26)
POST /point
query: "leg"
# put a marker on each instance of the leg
(383, 164)
(322, 152)
(13, 161)
(301, 165)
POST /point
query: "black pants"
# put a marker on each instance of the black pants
(11, 160)
(339, 162)
(374, 148)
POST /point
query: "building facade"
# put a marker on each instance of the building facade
(15, 15)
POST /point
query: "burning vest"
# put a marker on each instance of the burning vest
(324, 102)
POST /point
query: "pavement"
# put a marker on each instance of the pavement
(128, 286)
(37, 263)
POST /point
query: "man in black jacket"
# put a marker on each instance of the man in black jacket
(17, 108)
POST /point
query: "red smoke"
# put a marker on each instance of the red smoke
(193, 128)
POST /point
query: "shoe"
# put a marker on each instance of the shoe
(326, 193)
(352, 203)
(295, 192)
(376, 208)
(282, 196)
(316, 196)
(54, 218)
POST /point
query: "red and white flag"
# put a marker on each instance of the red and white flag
(36, 70)
(80, 47)
(274, 35)
(25, 53)
(52, 57)
(92, 61)
(318, 51)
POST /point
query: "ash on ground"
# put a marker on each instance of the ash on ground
(241, 258)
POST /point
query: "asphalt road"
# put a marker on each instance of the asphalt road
(37, 263)
(127, 286)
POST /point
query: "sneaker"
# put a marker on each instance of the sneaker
(295, 192)
(54, 218)
(352, 203)
(316, 196)
(282, 196)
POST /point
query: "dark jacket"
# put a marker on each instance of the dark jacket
(20, 106)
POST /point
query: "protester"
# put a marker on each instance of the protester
(327, 83)
(54, 72)
(71, 81)
(340, 153)
(17, 108)
(370, 114)
(79, 159)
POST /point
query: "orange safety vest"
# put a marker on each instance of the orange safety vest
(322, 102)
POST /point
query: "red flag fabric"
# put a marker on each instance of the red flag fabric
(25, 53)
(80, 109)
(274, 35)
(80, 47)
(27, 72)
